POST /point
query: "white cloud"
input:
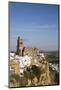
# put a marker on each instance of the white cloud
(46, 26)
(40, 26)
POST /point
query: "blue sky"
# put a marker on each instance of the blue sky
(37, 24)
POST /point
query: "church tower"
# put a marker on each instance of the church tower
(20, 46)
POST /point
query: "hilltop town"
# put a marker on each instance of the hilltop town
(30, 67)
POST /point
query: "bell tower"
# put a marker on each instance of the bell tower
(20, 46)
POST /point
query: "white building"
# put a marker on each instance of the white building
(25, 61)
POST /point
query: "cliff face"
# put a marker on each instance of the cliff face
(38, 73)
(43, 67)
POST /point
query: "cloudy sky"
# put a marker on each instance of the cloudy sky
(37, 24)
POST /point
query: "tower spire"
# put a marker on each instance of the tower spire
(20, 46)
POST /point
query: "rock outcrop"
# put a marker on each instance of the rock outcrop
(39, 72)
